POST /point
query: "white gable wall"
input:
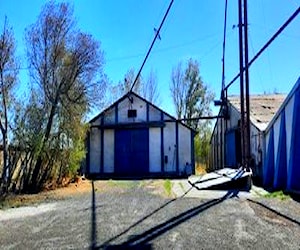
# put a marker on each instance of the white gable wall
(154, 114)
(138, 104)
(110, 116)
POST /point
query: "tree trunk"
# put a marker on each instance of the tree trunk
(35, 184)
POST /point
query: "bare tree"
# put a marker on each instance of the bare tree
(150, 88)
(178, 89)
(129, 80)
(8, 80)
(64, 64)
(123, 87)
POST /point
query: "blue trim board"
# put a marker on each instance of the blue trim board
(177, 145)
(147, 112)
(269, 166)
(102, 151)
(294, 161)
(102, 146)
(87, 170)
(193, 152)
(162, 163)
(280, 173)
(116, 113)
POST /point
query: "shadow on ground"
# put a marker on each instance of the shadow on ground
(142, 241)
(275, 212)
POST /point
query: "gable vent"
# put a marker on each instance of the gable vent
(131, 113)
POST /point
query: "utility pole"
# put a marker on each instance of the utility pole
(242, 103)
(247, 119)
(244, 85)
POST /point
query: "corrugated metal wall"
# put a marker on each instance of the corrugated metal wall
(282, 145)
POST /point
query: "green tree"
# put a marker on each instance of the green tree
(66, 72)
(192, 99)
(202, 143)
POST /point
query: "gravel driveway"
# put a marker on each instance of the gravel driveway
(134, 217)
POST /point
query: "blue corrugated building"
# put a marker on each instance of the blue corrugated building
(282, 145)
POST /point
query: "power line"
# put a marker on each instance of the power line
(292, 17)
(223, 56)
(176, 46)
(151, 46)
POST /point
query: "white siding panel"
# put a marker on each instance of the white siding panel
(109, 116)
(154, 114)
(154, 150)
(170, 146)
(184, 147)
(167, 117)
(109, 149)
(97, 122)
(95, 150)
(288, 125)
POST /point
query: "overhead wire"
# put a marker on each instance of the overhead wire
(267, 44)
(176, 46)
(151, 46)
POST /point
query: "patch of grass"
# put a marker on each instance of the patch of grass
(168, 187)
(277, 194)
(200, 169)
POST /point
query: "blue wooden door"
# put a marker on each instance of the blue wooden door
(132, 152)
(230, 149)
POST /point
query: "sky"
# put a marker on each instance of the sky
(193, 29)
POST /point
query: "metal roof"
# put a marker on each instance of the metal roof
(262, 107)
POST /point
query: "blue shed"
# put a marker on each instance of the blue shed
(135, 138)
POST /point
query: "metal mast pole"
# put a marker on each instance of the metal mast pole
(247, 119)
(241, 50)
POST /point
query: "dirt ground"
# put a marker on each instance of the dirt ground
(81, 187)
